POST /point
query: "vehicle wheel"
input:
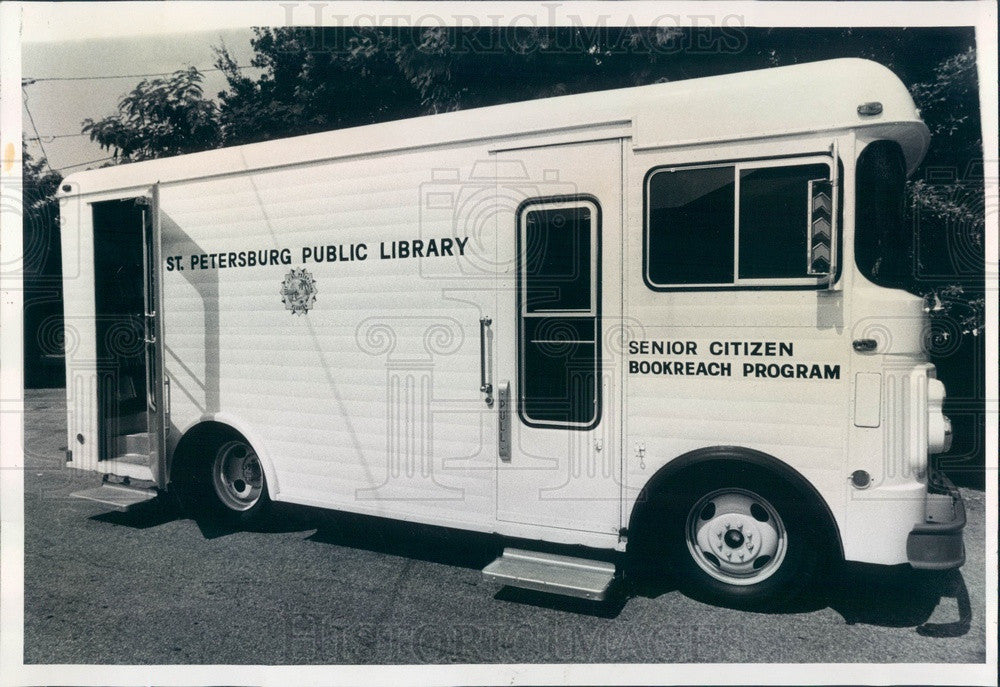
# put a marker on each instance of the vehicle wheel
(743, 540)
(238, 482)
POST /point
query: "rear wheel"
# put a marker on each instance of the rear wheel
(237, 477)
(221, 477)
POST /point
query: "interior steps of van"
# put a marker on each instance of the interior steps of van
(132, 423)
(134, 449)
(135, 444)
(549, 572)
(121, 497)
(132, 453)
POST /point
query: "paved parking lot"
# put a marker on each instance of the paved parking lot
(154, 587)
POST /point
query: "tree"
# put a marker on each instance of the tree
(947, 202)
(40, 186)
(318, 78)
(159, 117)
(304, 89)
(42, 265)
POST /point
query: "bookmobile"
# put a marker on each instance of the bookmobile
(664, 322)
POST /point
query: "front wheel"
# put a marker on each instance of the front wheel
(740, 540)
(736, 537)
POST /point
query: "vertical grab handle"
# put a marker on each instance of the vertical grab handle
(484, 386)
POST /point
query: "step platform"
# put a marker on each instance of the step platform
(117, 496)
(135, 458)
(548, 572)
(137, 443)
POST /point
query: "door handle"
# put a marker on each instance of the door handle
(484, 386)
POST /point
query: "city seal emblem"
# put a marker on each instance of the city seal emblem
(298, 291)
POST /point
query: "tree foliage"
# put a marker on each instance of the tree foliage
(303, 90)
(40, 185)
(159, 117)
(42, 267)
(947, 201)
(321, 78)
(40, 210)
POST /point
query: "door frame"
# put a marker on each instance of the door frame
(158, 422)
(584, 494)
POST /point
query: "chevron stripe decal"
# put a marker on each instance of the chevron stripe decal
(820, 227)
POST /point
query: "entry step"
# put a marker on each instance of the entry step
(548, 572)
(127, 424)
(134, 458)
(140, 442)
(118, 496)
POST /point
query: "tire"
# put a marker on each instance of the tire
(221, 479)
(238, 483)
(735, 536)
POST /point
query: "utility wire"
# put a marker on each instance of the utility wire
(52, 137)
(45, 156)
(38, 138)
(28, 80)
(89, 162)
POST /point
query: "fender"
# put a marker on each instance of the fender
(248, 433)
(738, 455)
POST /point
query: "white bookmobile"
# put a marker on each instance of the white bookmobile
(663, 321)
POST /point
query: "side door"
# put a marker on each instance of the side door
(557, 336)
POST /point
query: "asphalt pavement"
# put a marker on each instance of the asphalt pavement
(153, 586)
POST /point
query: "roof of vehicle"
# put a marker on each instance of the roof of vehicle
(797, 99)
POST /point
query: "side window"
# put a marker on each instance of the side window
(558, 251)
(774, 220)
(737, 224)
(883, 243)
(690, 229)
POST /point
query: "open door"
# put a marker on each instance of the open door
(131, 403)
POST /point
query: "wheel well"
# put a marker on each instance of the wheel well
(730, 458)
(197, 443)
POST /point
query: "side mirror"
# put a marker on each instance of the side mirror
(821, 248)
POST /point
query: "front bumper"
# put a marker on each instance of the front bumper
(936, 543)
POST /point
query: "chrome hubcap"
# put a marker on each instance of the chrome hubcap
(736, 536)
(237, 476)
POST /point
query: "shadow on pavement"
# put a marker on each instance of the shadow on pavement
(896, 596)
(165, 509)
(149, 514)
(451, 547)
(408, 540)
(960, 626)
(899, 596)
(609, 608)
(885, 596)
